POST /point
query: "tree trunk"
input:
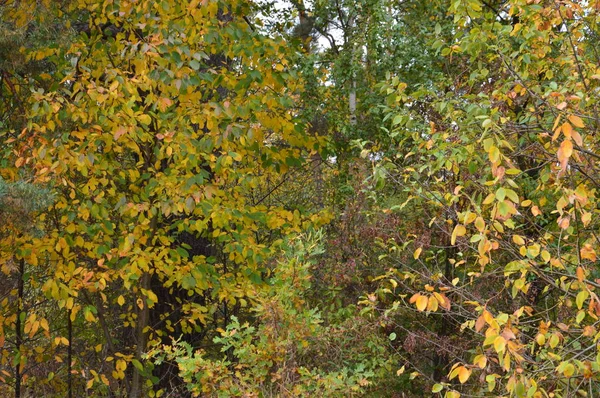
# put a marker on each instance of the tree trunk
(141, 338)
(18, 327)
(70, 355)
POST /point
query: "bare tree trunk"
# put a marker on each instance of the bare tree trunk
(18, 327)
(141, 338)
(352, 101)
(70, 355)
(352, 94)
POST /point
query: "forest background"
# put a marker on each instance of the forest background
(329, 198)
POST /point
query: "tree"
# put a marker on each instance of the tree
(159, 135)
(499, 164)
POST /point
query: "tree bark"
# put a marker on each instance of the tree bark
(18, 326)
(141, 338)
(70, 355)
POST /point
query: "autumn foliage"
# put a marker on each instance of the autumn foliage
(237, 198)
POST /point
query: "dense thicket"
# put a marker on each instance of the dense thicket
(328, 198)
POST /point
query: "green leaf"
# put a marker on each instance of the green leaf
(195, 65)
(188, 282)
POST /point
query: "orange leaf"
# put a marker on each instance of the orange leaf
(120, 131)
(443, 300)
(567, 129)
(479, 324)
(564, 222)
(577, 137)
(556, 131)
(576, 120)
(564, 153)
(580, 274)
(587, 252)
(463, 374)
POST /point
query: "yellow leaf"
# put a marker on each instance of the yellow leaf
(480, 361)
(546, 256)
(479, 224)
(470, 218)
(441, 299)
(487, 316)
(44, 324)
(540, 339)
(459, 230)
(506, 362)
(89, 316)
(581, 297)
(120, 365)
(489, 199)
(121, 300)
(533, 250)
(569, 370)
(518, 240)
(422, 302)
(554, 340)
(499, 344)
(432, 304)
(417, 253)
(144, 119)
(494, 154)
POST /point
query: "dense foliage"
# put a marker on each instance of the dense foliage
(329, 198)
